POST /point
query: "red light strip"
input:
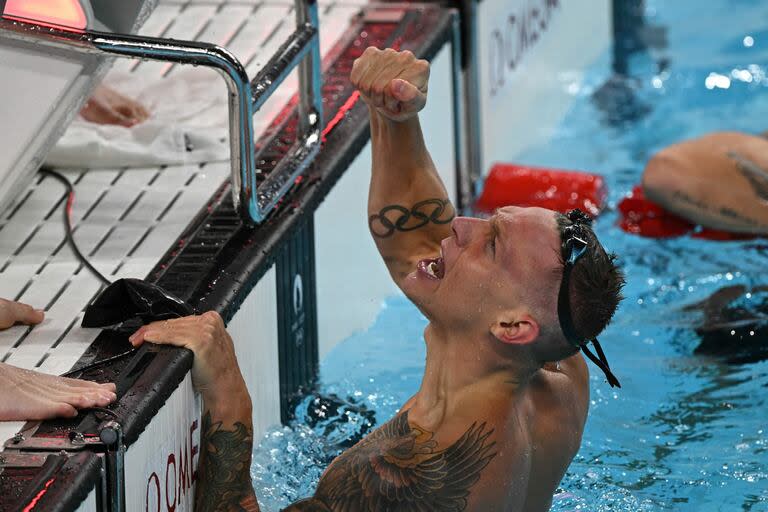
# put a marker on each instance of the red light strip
(68, 14)
(36, 499)
(346, 107)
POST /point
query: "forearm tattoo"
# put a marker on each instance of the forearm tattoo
(225, 469)
(400, 468)
(395, 217)
(756, 175)
(723, 212)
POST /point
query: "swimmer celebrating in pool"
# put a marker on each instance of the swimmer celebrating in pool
(510, 301)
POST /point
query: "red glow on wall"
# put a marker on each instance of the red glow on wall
(56, 13)
(346, 107)
(36, 499)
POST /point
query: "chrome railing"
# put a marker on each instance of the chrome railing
(301, 49)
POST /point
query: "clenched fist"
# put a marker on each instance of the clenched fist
(394, 83)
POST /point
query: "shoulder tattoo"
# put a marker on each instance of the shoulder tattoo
(397, 217)
(400, 467)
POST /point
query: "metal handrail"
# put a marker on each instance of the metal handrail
(301, 49)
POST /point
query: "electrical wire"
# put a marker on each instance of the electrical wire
(67, 214)
(100, 363)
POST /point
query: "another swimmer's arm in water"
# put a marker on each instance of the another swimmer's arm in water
(408, 207)
(718, 181)
(224, 468)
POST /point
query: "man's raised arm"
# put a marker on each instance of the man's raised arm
(409, 212)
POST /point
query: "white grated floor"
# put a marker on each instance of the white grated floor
(125, 220)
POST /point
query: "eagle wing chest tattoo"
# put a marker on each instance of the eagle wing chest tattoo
(400, 468)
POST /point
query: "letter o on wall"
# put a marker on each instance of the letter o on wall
(496, 65)
(510, 49)
(171, 507)
(154, 477)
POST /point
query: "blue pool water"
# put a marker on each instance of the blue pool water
(685, 432)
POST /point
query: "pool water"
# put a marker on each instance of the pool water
(685, 432)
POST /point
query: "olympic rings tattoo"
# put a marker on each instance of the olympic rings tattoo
(383, 226)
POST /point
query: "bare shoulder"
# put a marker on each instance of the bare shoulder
(562, 390)
(717, 143)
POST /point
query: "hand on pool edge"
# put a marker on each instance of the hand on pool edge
(215, 374)
(226, 442)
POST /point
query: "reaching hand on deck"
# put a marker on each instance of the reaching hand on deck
(107, 106)
(227, 433)
(28, 395)
(394, 83)
(12, 313)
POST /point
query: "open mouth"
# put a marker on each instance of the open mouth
(432, 268)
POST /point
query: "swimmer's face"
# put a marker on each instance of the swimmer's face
(494, 275)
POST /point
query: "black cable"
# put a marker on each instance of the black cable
(99, 363)
(102, 410)
(68, 223)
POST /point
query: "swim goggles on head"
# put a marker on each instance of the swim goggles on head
(574, 247)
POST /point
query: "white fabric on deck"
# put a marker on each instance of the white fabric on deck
(188, 125)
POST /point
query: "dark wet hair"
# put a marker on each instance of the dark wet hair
(596, 283)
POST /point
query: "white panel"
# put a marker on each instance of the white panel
(223, 26)
(254, 330)
(352, 280)
(161, 465)
(58, 319)
(90, 504)
(38, 85)
(525, 69)
(64, 356)
(186, 26)
(155, 26)
(333, 22)
(42, 199)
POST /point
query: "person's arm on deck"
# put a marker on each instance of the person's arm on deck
(224, 482)
(408, 207)
(718, 181)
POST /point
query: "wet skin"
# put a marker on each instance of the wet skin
(29, 395)
(493, 426)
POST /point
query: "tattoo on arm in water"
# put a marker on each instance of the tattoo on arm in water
(723, 212)
(756, 175)
(396, 217)
(400, 467)
(225, 469)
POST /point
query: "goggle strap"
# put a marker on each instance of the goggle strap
(601, 363)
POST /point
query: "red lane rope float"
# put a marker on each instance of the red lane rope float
(555, 189)
(642, 217)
